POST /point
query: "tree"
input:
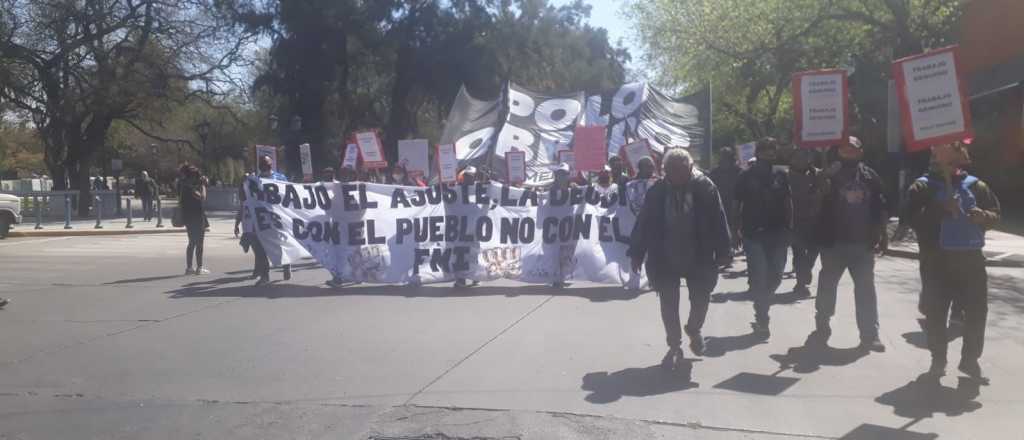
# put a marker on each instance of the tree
(77, 68)
(748, 51)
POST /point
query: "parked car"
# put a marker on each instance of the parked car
(10, 213)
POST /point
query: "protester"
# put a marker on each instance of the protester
(852, 227)
(617, 170)
(146, 189)
(950, 210)
(562, 182)
(605, 185)
(262, 263)
(191, 198)
(400, 176)
(681, 232)
(725, 176)
(766, 210)
(347, 174)
(467, 177)
(808, 186)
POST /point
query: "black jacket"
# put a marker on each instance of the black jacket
(712, 237)
(827, 221)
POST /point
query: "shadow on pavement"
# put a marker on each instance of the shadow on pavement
(920, 340)
(282, 289)
(719, 346)
(145, 280)
(607, 387)
(763, 384)
(811, 357)
(925, 396)
(868, 431)
(777, 299)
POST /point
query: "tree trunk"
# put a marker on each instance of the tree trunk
(84, 184)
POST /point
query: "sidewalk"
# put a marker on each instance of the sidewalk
(1001, 249)
(112, 226)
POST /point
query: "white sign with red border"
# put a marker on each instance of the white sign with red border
(306, 157)
(412, 154)
(371, 150)
(636, 151)
(351, 157)
(516, 162)
(820, 102)
(932, 100)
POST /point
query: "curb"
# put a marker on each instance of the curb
(988, 262)
(91, 232)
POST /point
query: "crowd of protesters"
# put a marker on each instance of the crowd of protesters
(691, 225)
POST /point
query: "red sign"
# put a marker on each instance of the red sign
(591, 148)
(821, 108)
(932, 100)
(371, 150)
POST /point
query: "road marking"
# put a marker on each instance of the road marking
(42, 240)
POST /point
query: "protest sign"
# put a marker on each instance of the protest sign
(351, 157)
(484, 231)
(307, 163)
(371, 150)
(744, 153)
(269, 151)
(590, 147)
(568, 157)
(412, 154)
(447, 163)
(932, 99)
(516, 162)
(820, 100)
(636, 151)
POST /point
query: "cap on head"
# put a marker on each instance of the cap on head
(855, 143)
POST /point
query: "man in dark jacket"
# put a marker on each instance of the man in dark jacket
(808, 186)
(725, 176)
(681, 232)
(851, 228)
(146, 188)
(950, 228)
(766, 211)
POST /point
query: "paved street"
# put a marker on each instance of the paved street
(105, 338)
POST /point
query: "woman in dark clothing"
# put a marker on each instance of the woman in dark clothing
(191, 197)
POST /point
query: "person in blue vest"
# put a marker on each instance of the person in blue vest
(950, 210)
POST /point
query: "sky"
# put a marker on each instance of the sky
(608, 14)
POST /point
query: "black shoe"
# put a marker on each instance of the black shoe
(972, 369)
(761, 329)
(873, 344)
(671, 358)
(287, 273)
(802, 291)
(263, 281)
(696, 343)
(4, 302)
(460, 282)
(938, 368)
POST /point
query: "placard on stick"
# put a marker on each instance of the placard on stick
(351, 157)
(591, 148)
(269, 151)
(412, 154)
(306, 157)
(371, 150)
(820, 102)
(636, 151)
(447, 163)
(516, 162)
(568, 157)
(932, 99)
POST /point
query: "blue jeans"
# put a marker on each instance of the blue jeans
(859, 259)
(766, 260)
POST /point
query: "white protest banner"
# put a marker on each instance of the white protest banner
(351, 158)
(412, 154)
(485, 231)
(307, 162)
(568, 157)
(931, 99)
(820, 100)
(447, 163)
(636, 151)
(744, 153)
(269, 151)
(516, 161)
(371, 150)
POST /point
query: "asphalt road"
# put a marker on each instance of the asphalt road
(105, 338)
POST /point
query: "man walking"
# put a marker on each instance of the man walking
(808, 186)
(681, 232)
(725, 176)
(262, 263)
(950, 210)
(147, 190)
(852, 228)
(766, 212)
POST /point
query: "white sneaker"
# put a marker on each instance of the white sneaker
(202, 271)
(189, 271)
